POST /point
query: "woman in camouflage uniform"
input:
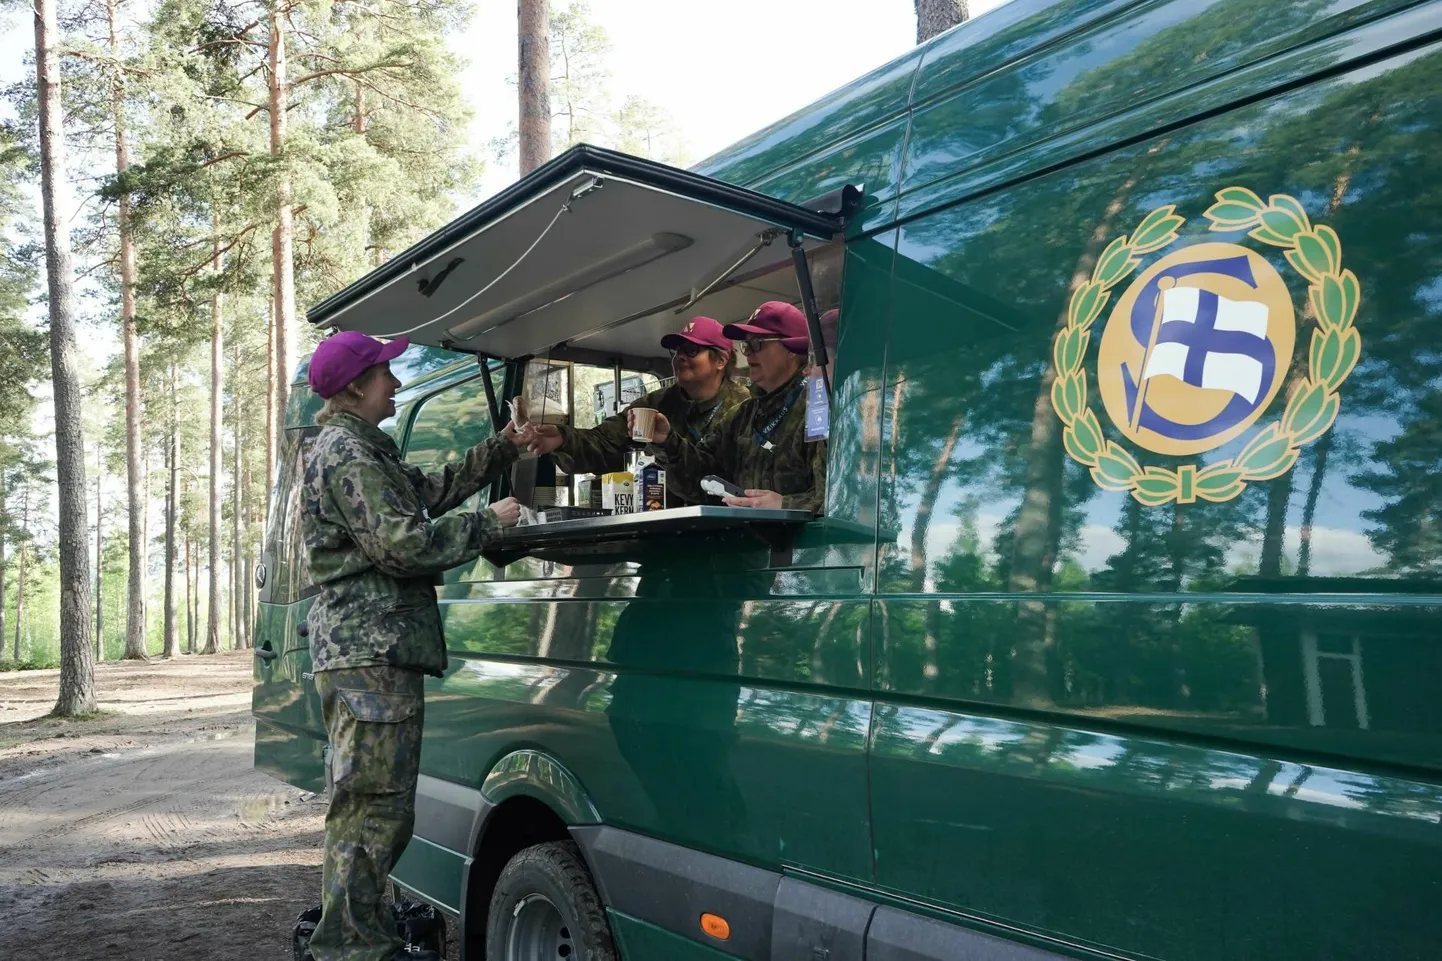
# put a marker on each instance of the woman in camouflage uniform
(377, 543)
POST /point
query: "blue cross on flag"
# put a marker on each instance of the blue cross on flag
(1208, 341)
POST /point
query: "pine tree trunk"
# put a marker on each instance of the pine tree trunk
(938, 16)
(135, 592)
(272, 381)
(534, 83)
(237, 568)
(19, 602)
(2, 564)
(171, 630)
(212, 633)
(77, 666)
(190, 606)
(99, 558)
(282, 237)
(145, 537)
(248, 608)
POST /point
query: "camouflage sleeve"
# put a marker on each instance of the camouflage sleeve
(813, 500)
(594, 450)
(454, 483)
(599, 449)
(386, 521)
(694, 461)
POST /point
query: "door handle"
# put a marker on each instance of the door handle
(265, 653)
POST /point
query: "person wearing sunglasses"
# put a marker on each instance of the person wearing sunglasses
(762, 447)
(704, 395)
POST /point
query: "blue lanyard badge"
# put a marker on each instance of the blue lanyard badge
(699, 435)
(818, 408)
(763, 436)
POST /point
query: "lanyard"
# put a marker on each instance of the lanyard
(763, 436)
(697, 435)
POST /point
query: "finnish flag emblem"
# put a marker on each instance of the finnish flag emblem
(1208, 341)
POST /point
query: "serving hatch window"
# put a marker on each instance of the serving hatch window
(574, 384)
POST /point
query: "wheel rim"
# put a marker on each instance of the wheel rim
(538, 932)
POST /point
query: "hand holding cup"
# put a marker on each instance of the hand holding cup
(647, 426)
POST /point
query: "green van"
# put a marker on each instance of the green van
(1121, 633)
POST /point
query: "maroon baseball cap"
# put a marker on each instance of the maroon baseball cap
(341, 359)
(775, 318)
(702, 331)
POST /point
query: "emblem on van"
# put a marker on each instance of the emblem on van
(1199, 345)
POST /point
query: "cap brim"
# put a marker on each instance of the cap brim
(392, 349)
(672, 341)
(742, 331)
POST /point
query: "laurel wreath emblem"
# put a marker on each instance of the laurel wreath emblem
(1315, 252)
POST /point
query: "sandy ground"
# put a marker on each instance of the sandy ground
(144, 834)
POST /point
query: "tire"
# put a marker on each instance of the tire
(545, 908)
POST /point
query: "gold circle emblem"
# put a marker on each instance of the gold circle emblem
(1196, 349)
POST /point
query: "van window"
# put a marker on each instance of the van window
(447, 425)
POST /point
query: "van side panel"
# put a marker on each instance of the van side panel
(1206, 728)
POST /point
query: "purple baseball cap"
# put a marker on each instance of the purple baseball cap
(775, 318)
(341, 359)
(702, 331)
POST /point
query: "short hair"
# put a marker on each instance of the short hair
(730, 372)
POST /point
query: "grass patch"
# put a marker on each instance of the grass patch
(30, 664)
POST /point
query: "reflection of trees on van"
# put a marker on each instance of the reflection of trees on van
(1375, 144)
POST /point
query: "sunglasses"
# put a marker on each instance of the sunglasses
(753, 344)
(687, 349)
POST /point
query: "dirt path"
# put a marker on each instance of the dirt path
(145, 834)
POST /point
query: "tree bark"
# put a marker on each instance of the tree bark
(217, 466)
(938, 16)
(99, 557)
(20, 574)
(535, 83)
(3, 515)
(77, 666)
(282, 238)
(135, 595)
(19, 602)
(191, 608)
(171, 631)
(271, 380)
(237, 568)
(248, 608)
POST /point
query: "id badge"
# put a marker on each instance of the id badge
(818, 408)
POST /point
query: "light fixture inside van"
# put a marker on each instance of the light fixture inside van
(655, 247)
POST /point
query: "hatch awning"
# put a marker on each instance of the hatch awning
(595, 250)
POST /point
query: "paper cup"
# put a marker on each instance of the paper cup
(643, 423)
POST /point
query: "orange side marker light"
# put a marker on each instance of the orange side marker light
(716, 926)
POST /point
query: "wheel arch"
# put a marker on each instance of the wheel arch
(529, 798)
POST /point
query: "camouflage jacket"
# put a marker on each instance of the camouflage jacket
(376, 543)
(603, 448)
(793, 467)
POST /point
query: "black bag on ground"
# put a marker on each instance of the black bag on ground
(304, 928)
(419, 925)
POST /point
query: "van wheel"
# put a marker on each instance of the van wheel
(545, 908)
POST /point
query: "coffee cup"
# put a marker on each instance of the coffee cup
(643, 424)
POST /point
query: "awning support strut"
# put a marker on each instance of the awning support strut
(808, 304)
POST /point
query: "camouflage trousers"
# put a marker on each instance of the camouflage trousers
(373, 718)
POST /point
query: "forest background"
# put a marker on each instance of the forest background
(226, 163)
